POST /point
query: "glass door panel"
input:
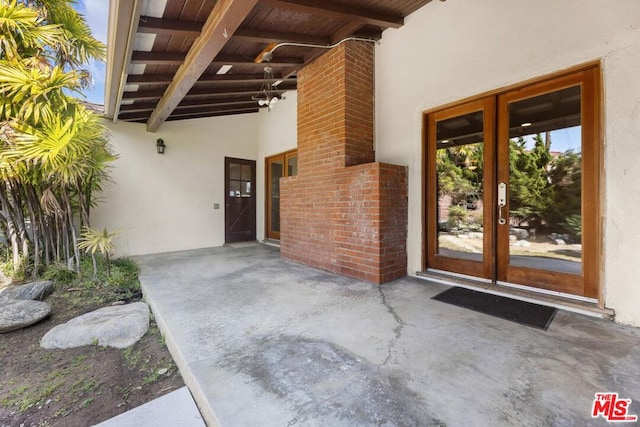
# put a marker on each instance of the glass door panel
(547, 232)
(459, 203)
(292, 163)
(275, 172)
(545, 170)
(459, 167)
(512, 187)
(278, 166)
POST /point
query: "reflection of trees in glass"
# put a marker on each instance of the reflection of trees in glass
(566, 178)
(545, 190)
(460, 175)
(459, 172)
(530, 193)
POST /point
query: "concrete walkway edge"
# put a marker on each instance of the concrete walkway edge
(178, 357)
(173, 409)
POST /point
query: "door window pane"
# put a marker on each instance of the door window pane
(246, 173)
(545, 169)
(459, 174)
(277, 169)
(292, 165)
(235, 171)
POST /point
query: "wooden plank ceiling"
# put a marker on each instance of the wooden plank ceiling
(179, 77)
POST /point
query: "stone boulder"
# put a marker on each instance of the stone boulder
(520, 233)
(18, 314)
(116, 326)
(33, 291)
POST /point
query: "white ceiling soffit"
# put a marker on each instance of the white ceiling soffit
(144, 42)
(136, 69)
(153, 8)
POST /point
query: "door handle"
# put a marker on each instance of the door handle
(502, 202)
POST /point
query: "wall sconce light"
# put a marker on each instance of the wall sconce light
(160, 146)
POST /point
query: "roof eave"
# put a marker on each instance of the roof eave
(122, 14)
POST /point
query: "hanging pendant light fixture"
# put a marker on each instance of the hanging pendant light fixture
(269, 94)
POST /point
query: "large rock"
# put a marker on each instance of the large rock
(34, 291)
(18, 314)
(520, 233)
(118, 326)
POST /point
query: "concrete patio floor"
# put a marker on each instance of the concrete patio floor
(261, 341)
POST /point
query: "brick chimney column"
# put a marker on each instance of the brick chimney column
(343, 212)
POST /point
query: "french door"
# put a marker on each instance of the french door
(278, 166)
(512, 186)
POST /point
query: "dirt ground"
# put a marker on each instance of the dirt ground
(82, 386)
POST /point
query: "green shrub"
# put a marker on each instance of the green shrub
(457, 216)
(127, 265)
(59, 273)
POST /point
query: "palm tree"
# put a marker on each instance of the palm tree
(94, 241)
(53, 151)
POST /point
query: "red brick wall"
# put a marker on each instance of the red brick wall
(343, 212)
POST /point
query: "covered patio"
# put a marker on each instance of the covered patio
(265, 341)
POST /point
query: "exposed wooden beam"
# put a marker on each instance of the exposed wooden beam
(249, 60)
(170, 58)
(142, 79)
(195, 111)
(224, 20)
(150, 106)
(343, 32)
(219, 114)
(224, 113)
(339, 11)
(259, 58)
(202, 93)
(258, 36)
(175, 27)
(346, 30)
(219, 103)
(370, 34)
(149, 79)
(134, 118)
(157, 58)
(210, 110)
(141, 95)
(138, 107)
(169, 27)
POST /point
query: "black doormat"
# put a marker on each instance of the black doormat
(525, 313)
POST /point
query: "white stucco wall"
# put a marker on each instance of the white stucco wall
(164, 203)
(622, 183)
(277, 134)
(452, 50)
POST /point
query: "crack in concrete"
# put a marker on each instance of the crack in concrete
(397, 330)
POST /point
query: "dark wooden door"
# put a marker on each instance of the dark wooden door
(240, 200)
